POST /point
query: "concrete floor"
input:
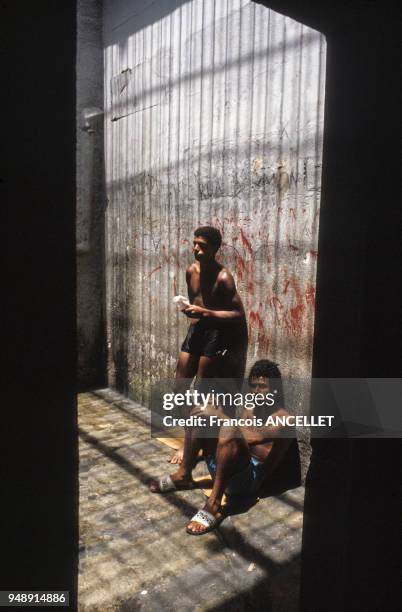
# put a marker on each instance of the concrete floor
(134, 551)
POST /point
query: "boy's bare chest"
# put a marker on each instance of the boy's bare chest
(205, 289)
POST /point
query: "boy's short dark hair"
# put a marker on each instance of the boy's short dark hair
(269, 369)
(212, 234)
(266, 368)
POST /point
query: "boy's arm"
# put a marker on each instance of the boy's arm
(188, 281)
(263, 433)
(231, 297)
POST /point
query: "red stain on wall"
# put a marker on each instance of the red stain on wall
(255, 322)
(310, 295)
(263, 343)
(154, 270)
(293, 282)
(255, 319)
(240, 266)
(275, 302)
(277, 307)
(292, 316)
(296, 316)
(246, 242)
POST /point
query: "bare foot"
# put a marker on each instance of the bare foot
(177, 458)
(196, 528)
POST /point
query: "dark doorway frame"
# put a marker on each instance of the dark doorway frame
(349, 550)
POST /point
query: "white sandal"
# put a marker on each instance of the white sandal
(166, 484)
(205, 518)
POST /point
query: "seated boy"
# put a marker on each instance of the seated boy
(240, 460)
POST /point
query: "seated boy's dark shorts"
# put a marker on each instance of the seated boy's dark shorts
(206, 339)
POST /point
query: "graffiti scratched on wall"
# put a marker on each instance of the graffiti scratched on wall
(214, 115)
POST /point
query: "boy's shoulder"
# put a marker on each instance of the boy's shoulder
(224, 275)
(192, 268)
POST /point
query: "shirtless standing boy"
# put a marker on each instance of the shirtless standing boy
(217, 340)
(217, 313)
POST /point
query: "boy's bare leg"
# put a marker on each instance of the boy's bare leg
(187, 367)
(183, 476)
(193, 443)
(206, 369)
(232, 454)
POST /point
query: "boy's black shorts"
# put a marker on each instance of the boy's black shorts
(206, 339)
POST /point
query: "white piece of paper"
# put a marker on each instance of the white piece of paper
(181, 301)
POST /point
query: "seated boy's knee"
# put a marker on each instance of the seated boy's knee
(232, 442)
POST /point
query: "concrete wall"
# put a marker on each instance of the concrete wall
(213, 115)
(90, 196)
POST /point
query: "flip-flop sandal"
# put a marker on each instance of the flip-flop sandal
(166, 484)
(208, 520)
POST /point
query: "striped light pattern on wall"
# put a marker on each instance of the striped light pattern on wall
(213, 115)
